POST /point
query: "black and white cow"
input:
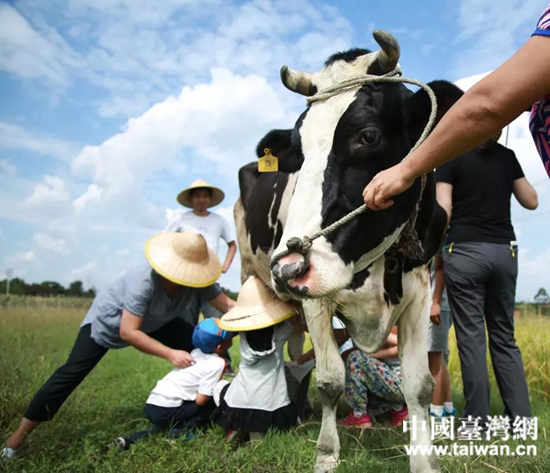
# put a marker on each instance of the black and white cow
(336, 147)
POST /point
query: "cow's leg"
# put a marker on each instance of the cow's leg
(418, 383)
(330, 380)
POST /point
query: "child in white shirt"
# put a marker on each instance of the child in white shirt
(183, 398)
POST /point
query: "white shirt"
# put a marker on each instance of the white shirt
(183, 384)
(260, 382)
(212, 227)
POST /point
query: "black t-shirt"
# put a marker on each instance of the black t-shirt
(482, 183)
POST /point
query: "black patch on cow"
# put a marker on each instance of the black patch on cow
(348, 56)
(359, 279)
(430, 226)
(276, 140)
(278, 234)
(259, 189)
(248, 176)
(418, 107)
(432, 218)
(370, 136)
(263, 209)
(393, 278)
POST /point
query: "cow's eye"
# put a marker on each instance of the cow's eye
(369, 137)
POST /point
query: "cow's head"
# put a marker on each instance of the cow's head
(340, 144)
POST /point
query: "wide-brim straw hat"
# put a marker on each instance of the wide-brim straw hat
(184, 197)
(183, 258)
(257, 307)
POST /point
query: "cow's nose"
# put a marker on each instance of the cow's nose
(287, 269)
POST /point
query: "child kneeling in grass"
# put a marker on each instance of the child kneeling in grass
(183, 398)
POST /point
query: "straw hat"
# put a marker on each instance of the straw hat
(184, 197)
(257, 307)
(183, 258)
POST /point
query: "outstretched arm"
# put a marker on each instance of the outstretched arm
(484, 110)
(130, 332)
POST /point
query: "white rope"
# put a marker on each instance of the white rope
(302, 245)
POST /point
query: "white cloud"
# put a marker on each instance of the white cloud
(484, 42)
(214, 121)
(8, 168)
(29, 54)
(21, 257)
(49, 192)
(93, 194)
(46, 242)
(16, 137)
(84, 270)
(141, 51)
(123, 252)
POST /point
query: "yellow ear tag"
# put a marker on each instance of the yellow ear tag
(268, 162)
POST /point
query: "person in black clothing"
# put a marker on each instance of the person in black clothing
(481, 265)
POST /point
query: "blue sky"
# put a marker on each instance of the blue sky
(110, 107)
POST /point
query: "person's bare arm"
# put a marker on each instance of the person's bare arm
(389, 350)
(444, 196)
(131, 333)
(485, 109)
(525, 193)
(202, 399)
(222, 303)
(230, 255)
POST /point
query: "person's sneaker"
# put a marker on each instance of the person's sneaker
(362, 421)
(183, 434)
(450, 414)
(7, 453)
(397, 417)
(122, 443)
(437, 416)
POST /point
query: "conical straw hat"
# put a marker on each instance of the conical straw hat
(184, 197)
(257, 307)
(183, 258)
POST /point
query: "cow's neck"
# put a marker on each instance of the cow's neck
(404, 239)
(368, 258)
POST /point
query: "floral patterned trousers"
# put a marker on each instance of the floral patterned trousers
(371, 385)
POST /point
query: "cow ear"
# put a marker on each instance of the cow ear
(418, 106)
(280, 144)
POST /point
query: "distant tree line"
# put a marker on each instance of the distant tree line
(46, 288)
(52, 288)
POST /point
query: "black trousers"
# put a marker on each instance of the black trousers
(84, 356)
(481, 285)
(187, 415)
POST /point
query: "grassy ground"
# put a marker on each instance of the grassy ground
(109, 403)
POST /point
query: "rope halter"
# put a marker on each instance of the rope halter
(303, 245)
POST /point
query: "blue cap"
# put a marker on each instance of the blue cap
(208, 335)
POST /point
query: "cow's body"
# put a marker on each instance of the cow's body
(360, 269)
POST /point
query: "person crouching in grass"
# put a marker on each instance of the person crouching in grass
(146, 308)
(182, 400)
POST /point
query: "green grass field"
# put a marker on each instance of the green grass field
(109, 403)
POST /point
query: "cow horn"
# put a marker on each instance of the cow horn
(297, 81)
(388, 56)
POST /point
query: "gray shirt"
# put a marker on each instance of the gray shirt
(140, 292)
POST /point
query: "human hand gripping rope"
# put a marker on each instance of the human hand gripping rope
(303, 245)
